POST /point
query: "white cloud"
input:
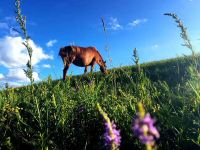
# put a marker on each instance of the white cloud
(18, 74)
(11, 19)
(8, 26)
(13, 32)
(155, 46)
(10, 84)
(14, 84)
(4, 25)
(14, 54)
(1, 76)
(46, 66)
(51, 43)
(16, 78)
(136, 22)
(114, 24)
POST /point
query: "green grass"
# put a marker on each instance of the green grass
(63, 115)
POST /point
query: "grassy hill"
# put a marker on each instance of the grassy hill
(63, 115)
(173, 71)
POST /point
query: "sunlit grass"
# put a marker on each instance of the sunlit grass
(66, 116)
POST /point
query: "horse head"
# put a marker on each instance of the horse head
(103, 66)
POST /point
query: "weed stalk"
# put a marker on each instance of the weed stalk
(22, 22)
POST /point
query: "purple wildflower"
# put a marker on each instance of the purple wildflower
(81, 109)
(90, 82)
(145, 130)
(112, 135)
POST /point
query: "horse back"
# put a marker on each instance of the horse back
(86, 55)
(83, 56)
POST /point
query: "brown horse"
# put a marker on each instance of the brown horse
(82, 57)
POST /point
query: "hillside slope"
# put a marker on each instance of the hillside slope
(174, 71)
(63, 115)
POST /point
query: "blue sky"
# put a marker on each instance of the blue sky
(130, 24)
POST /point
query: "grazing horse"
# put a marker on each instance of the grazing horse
(82, 57)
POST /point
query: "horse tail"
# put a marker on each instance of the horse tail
(72, 48)
(59, 54)
(66, 51)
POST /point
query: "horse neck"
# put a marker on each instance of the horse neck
(99, 57)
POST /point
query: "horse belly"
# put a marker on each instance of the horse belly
(85, 59)
(79, 62)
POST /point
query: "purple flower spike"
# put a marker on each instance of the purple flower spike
(112, 135)
(145, 130)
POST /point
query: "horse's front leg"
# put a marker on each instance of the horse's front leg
(92, 65)
(85, 71)
(92, 68)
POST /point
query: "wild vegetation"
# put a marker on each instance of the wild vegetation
(72, 114)
(63, 115)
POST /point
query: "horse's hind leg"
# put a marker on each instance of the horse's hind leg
(65, 71)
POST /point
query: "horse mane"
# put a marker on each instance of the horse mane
(99, 54)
